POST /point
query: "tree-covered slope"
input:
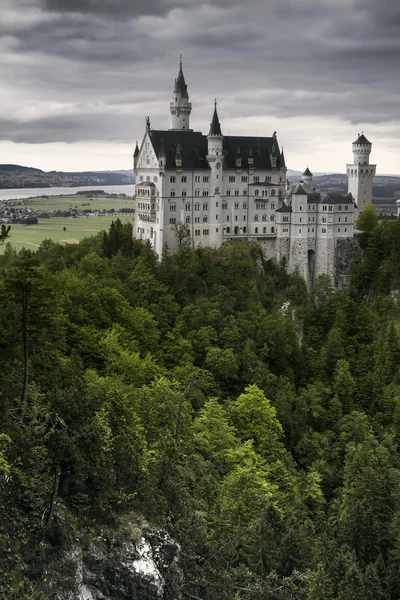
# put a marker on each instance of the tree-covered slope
(210, 395)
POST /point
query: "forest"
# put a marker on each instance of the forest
(211, 394)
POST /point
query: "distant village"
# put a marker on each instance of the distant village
(16, 211)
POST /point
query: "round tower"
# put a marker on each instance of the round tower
(180, 107)
(307, 177)
(360, 174)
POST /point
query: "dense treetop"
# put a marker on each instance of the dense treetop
(209, 393)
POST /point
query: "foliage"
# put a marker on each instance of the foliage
(207, 392)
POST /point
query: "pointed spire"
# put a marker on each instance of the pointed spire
(307, 173)
(180, 84)
(135, 154)
(283, 164)
(215, 127)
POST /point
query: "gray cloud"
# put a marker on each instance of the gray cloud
(90, 69)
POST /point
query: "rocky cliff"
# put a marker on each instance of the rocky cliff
(135, 564)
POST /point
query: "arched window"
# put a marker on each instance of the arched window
(172, 193)
(236, 230)
(172, 207)
(272, 229)
(187, 206)
(216, 190)
(256, 230)
(272, 205)
(244, 229)
(205, 206)
(272, 192)
(172, 179)
(256, 217)
(184, 179)
(256, 192)
(187, 219)
(272, 217)
(264, 230)
(264, 217)
(197, 206)
(228, 230)
(183, 193)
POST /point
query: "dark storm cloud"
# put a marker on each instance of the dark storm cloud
(80, 69)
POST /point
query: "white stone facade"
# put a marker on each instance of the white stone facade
(229, 187)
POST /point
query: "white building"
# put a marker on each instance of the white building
(224, 187)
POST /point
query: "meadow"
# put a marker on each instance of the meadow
(31, 236)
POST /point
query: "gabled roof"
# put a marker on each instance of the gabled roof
(215, 126)
(284, 209)
(193, 148)
(362, 140)
(307, 173)
(300, 190)
(336, 198)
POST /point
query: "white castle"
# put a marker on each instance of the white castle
(228, 187)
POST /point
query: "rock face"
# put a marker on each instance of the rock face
(112, 568)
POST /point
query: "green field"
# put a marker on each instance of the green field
(31, 236)
(66, 202)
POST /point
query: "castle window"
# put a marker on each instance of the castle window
(187, 206)
(172, 208)
(197, 219)
(148, 178)
(285, 230)
(232, 178)
(172, 193)
(205, 178)
(205, 192)
(285, 219)
(224, 205)
(206, 231)
(197, 232)
(345, 219)
(228, 230)
(205, 206)
(323, 230)
(205, 219)
(228, 192)
(227, 217)
(236, 192)
(264, 217)
(244, 192)
(272, 217)
(216, 217)
(256, 179)
(264, 230)
(256, 192)
(346, 207)
(216, 191)
(324, 207)
(300, 208)
(244, 229)
(340, 207)
(155, 178)
(236, 204)
(244, 217)
(183, 193)
(256, 230)
(187, 219)
(338, 229)
(272, 229)
(197, 193)
(216, 204)
(339, 219)
(172, 221)
(197, 206)
(172, 179)
(324, 219)
(272, 192)
(184, 179)
(244, 178)
(197, 178)
(236, 217)
(272, 205)
(300, 220)
(330, 207)
(256, 217)
(345, 229)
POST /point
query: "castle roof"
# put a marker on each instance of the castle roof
(136, 151)
(282, 161)
(215, 126)
(300, 190)
(284, 209)
(362, 140)
(254, 151)
(307, 173)
(180, 84)
(335, 198)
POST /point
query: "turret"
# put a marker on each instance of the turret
(361, 174)
(135, 155)
(180, 106)
(215, 136)
(361, 150)
(215, 160)
(307, 177)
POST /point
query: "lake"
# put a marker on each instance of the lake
(59, 191)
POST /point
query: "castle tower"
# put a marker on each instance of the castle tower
(180, 107)
(360, 174)
(307, 177)
(216, 161)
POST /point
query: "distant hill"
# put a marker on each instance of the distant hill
(17, 176)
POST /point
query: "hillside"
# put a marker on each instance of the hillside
(17, 176)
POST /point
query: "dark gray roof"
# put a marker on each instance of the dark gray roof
(284, 209)
(194, 146)
(136, 151)
(300, 190)
(307, 173)
(180, 84)
(282, 161)
(362, 140)
(146, 184)
(257, 148)
(215, 127)
(336, 198)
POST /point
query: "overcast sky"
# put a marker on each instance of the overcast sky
(79, 76)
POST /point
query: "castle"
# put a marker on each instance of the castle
(228, 187)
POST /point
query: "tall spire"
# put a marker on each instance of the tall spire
(283, 163)
(180, 84)
(215, 127)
